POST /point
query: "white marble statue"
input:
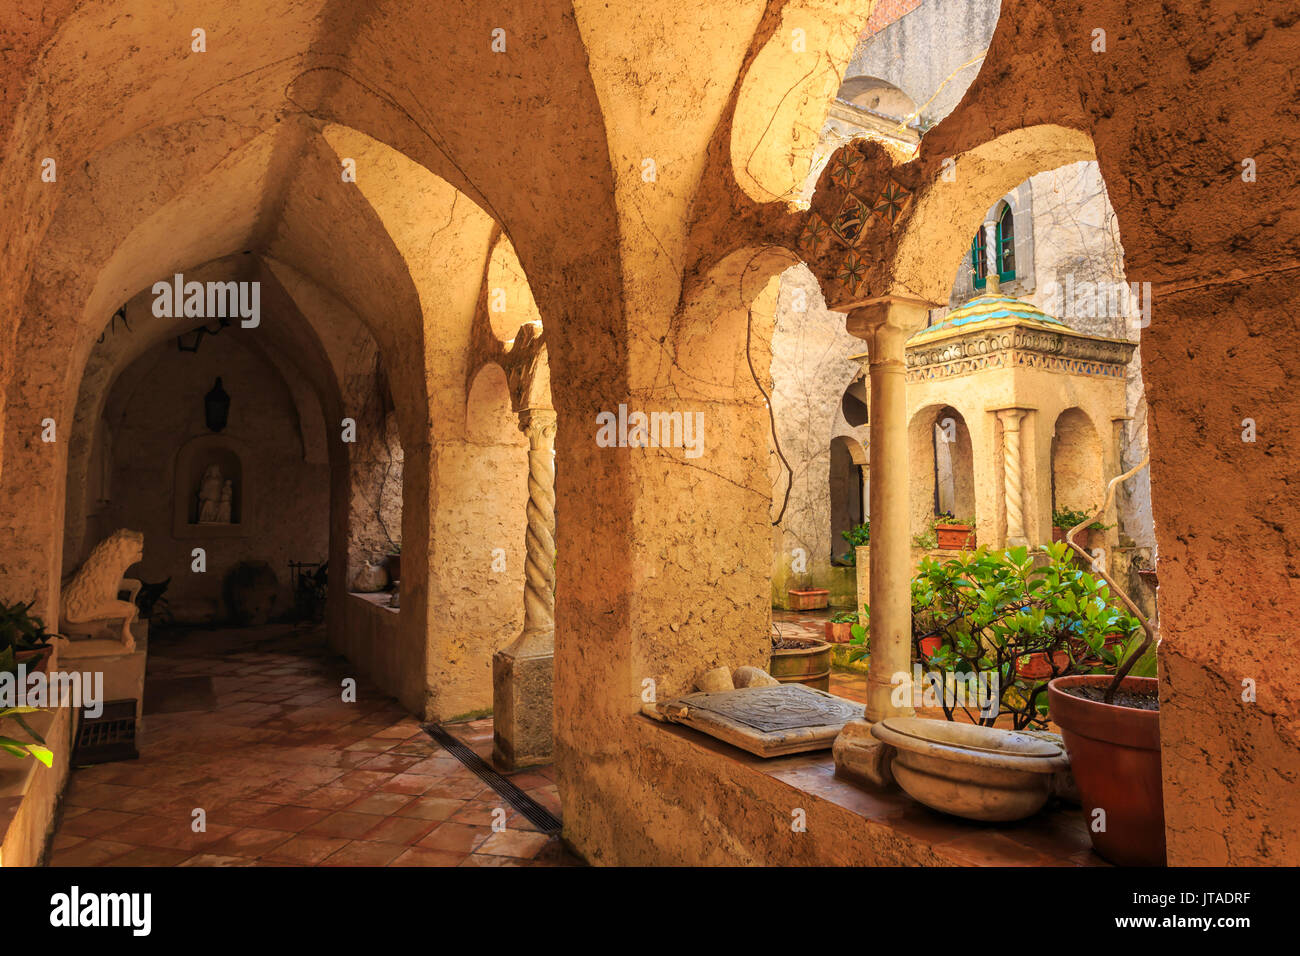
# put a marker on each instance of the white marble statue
(210, 495)
(227, 499)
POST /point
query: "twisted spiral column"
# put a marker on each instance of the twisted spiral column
(1012, 478)
(539, 541)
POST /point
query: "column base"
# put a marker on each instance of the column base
(522, 709)
(861, 757)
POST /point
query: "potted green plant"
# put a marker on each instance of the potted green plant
(1111, 728)
(954, 535)
(23, 639)
(1016, 617)
(1063, 519)
(839, 627)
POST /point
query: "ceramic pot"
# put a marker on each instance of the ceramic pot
(929, 646)
(1115, 754)
(980, 773)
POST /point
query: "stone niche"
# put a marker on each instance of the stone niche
(211, 485)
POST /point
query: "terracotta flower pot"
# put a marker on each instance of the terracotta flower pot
(809, 599)
(1058, 535)
(930, 645)
(955, 537)
(1115, 757)
(839, 632)
(1036, 666)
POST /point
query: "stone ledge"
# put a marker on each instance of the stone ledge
(30, 791)
(714, 804)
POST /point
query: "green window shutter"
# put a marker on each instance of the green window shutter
(1006, 245)
(979, 260)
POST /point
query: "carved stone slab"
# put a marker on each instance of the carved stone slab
(767, 721)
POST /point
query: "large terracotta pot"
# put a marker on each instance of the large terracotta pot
(1115, 756)
(809, 599)
(954, 537)
(809, 663)
(839, 632)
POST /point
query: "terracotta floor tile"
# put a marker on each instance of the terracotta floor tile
(431, 808)
(152, 856)
(360, 853)
(455, 837)
(251, 841)
(364, 779)
(408, 783)
(242, 813)
(90, 853)
(400, 830)
(328, 798)
(213, 859)
(96, 822)
(420, 856)
(305, 850)
(342, 823)
(385, 804)
(520, 844)
(296, 819)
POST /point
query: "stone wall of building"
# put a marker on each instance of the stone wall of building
(155, 407)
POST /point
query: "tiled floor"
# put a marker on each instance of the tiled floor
(287, 774)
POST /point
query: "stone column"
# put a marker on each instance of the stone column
(991, 258)
(522, 673)
(885, 325)
(1013, 486)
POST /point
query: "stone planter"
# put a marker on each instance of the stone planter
(1115, 754)
(955, 537)
(980, 773)
(809, 599)
(805, 661)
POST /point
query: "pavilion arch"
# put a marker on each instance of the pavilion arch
(942, 465)
(936, 234)
(1076, 457)
(877, 96)
(510, 303)
(848, 490)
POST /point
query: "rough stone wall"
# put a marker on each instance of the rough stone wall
(810, 371)
(161, 397)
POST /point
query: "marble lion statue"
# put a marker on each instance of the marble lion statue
(90, 599)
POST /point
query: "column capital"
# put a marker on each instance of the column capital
(1010, 416)
(539, 425)
(868, 317)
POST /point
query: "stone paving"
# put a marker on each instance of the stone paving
(249, 726)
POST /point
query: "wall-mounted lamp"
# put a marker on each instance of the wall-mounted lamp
(216, 407)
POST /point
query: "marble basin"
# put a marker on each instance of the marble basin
(980, 773)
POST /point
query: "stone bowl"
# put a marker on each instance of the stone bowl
(980, 773)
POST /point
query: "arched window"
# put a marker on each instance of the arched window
(1006, 240)
(979, 262)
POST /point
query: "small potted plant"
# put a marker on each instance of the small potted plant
(859, 536)
(809, 598)
(1063, 519)
(839, 629)
(23, 639)
(954, 535)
